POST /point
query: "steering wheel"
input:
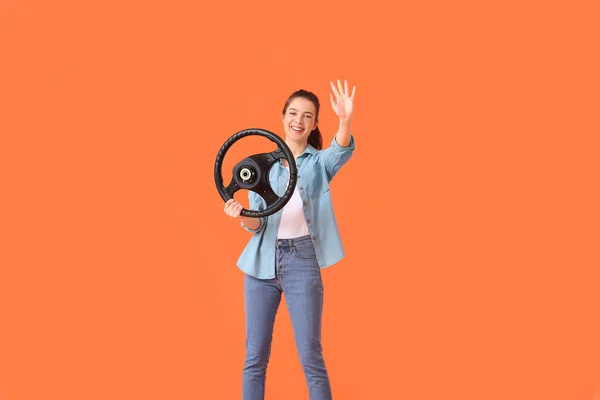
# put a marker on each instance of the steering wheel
(252, 173)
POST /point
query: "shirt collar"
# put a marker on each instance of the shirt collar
(308, 150)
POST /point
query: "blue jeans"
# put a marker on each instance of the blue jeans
(298, 276)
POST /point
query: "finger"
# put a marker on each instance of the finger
(235, 212)
(346, 87)
(333, 102)
(353, 91)
(335, 92)
(231, 210)
(238, 211)
(230, 206)
(340, 86)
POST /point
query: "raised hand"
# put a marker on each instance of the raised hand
(341, 101)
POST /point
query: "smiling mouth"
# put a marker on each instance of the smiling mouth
(296, 129)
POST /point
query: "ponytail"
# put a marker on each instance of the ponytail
(315, 139)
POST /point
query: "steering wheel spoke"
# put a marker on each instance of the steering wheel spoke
(266, 160)
(277, 154)
(266, 192)
(232, 188)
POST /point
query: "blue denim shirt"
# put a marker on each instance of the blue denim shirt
(316, 169)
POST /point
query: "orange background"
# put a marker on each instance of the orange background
(469, 211)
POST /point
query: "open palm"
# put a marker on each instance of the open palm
(341, 101)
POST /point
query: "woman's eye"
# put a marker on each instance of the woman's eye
(308, 116)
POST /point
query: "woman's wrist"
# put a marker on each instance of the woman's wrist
(250, 222)
(346, 120)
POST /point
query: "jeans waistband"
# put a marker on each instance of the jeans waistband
(294, 241)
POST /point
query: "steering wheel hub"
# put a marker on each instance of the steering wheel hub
(246, 174)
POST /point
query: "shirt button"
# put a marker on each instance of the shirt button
(304, 204)
(314, 237)
(308, 221)
(301, 188)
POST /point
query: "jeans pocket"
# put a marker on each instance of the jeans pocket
(305, 252)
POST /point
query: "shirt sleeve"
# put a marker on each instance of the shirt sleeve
(335, 156)
(257, 203)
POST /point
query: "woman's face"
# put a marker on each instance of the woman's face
(299, 120)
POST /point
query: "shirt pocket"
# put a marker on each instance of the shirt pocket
(317, 188)
(314, 182)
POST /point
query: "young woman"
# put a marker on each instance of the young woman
(288, 249)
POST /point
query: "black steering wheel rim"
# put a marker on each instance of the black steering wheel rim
(252, 173)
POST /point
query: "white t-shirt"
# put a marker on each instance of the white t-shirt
(293, 223)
